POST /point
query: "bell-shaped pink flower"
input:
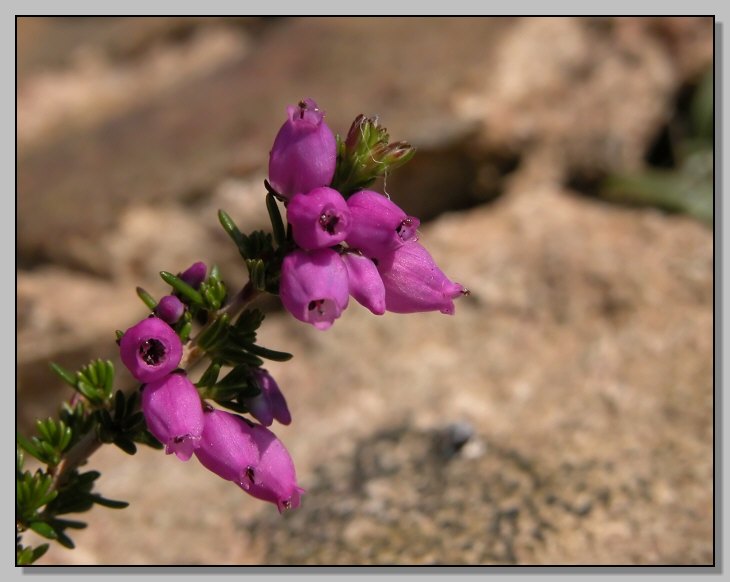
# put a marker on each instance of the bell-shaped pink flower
(274, 478)
(195, 274)
(173, 412)
(320, 218)
(150, 350)
(379, 225)
(270, 404)
(227, 447)
(170, 309)
(314, 286)
(413, 282)
(365, 283)
(304, 153)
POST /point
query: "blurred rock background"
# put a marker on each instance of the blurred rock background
(563, 416)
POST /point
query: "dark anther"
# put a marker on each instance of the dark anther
(179, 439)
(250, 474)
(405, 223)
(328, 222)
(286, 504)
(152, 351)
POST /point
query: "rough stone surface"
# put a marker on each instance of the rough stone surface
(580, 368)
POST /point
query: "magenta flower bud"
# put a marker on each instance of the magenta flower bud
(414, 283)
(320, 218)
(150, 350)
(170, 309)
(274, 478)
(174, 414)
(365, 283)
(195, 274)
(304, 153)
(379, 225)
(227, 447)
(314, 286)
(270, 404)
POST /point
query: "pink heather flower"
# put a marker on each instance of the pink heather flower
(150, 349)
(227, 447)
(304, 153)
(274, 478)
(414, 283)
(195, 274)
(365, 283)
(378, 225)
(314, 286)
(174, 414)
(270, 403)
(170, 309)
(320, 218)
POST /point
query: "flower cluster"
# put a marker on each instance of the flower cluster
(358, 244)
(234, 448)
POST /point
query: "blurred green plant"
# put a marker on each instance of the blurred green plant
(686, 188)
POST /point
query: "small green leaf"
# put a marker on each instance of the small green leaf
(182, 288)
(109, 378)
(125, 444)
(64, 374)
(232, 230)
(88, 478)
(65, 541)
(185, 331)
(274, 355)
(144, 437)
(237, 378)
(277, 224)
(111, 503)
(44, 430)
(146, 298)
(119, 405)
(28, 446)
(231, 405)
(131, 403)
(92, 373)
(133, 422)
(43, 529)
(249, 321)
(65, 439)
(47, 498)
(38, 552)
(236, 356)
(69, 523)
(210, 376)
(215, 333)
(23, 556)
(88, 391)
